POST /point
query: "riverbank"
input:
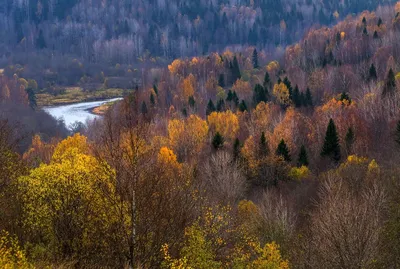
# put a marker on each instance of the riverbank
(74, 95)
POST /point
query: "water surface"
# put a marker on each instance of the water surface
(80, 112)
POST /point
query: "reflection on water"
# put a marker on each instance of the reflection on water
(76, 112)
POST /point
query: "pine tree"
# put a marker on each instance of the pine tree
(263, 146)
(235, 99)
(296, 97)
(218, 141)
(376, 36)
(364, 21)
(303, 157)
(365, 31)
(288, 84)
(255, 59)
(308, 99)
(267, 81)
(191, 101)
(152, 100)
(331, 147)
(235, 69)
(379, 22)
(40, 42)
(236, 149)
(349, 140)
(283, 151)
(221, 80)
(390, 84)
(210, 107)
(220, 105)
(243, 106)
(143, 108)
(397, 134)
(259, 95)
(344, 96)
(31, 98)
(372, 73)
(155, 89)
(229, 97)
(184, 112)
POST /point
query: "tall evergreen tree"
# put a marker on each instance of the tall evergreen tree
(365, 31)
(220, 105)
(218, 141)
(288, 84)
(397, 134)
(143, 108)
(376, 36)
(255, 59)
(345, 96)
(31, 98)
(349, 140)
(372, 73)
(235, 69)
(152, 100)
(296, 97)
(267, 81)
(236, 149)
(263, 149)
(210, 107)
(191, 102)
(221, 80)
(229, 96)
(390, 84)
(235, 99)
(308, 99)
(331, 147)
(40, 42)
(303, 157)
(283, 151)
(155, 88)
(259, 95)
(243, 106)
(379, 22)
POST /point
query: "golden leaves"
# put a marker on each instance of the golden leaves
(281, 92)
(226, 123)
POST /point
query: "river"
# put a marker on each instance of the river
(80, 112)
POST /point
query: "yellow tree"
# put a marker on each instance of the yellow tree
(281, 92)
(64, 205)
(188, 85)
(188, 136)
(226, 123)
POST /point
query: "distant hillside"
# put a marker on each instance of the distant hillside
(120, 31)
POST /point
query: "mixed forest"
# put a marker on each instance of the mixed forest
(230, 149)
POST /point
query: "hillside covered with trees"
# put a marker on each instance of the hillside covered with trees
(232, 159)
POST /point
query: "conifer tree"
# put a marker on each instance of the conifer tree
(152, 100)
(184, 112)
(365, 31)
(143, 108)
(345, 96)
(243, 106)
(155, 89)
(235, 99)
(372, 73)
(191, 101)
(379, 22)
(296, 97)
(331, 147)
(229, 97)
(267, 81)
(40, 42)
(349, 140)
(221, 80)
(303, 157)
(255, 59)
(218, 141)
(376, 36)
(235, 69)
(259, 95)
(31, 98)
(288, 84)
(397, 134)
(308, 98)
(364, 21)
(236, 149)
(210, 107)
(390, 84)
(220, 105)
(263, 149)
(283, 151)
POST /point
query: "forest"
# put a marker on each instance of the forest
(271, 149)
